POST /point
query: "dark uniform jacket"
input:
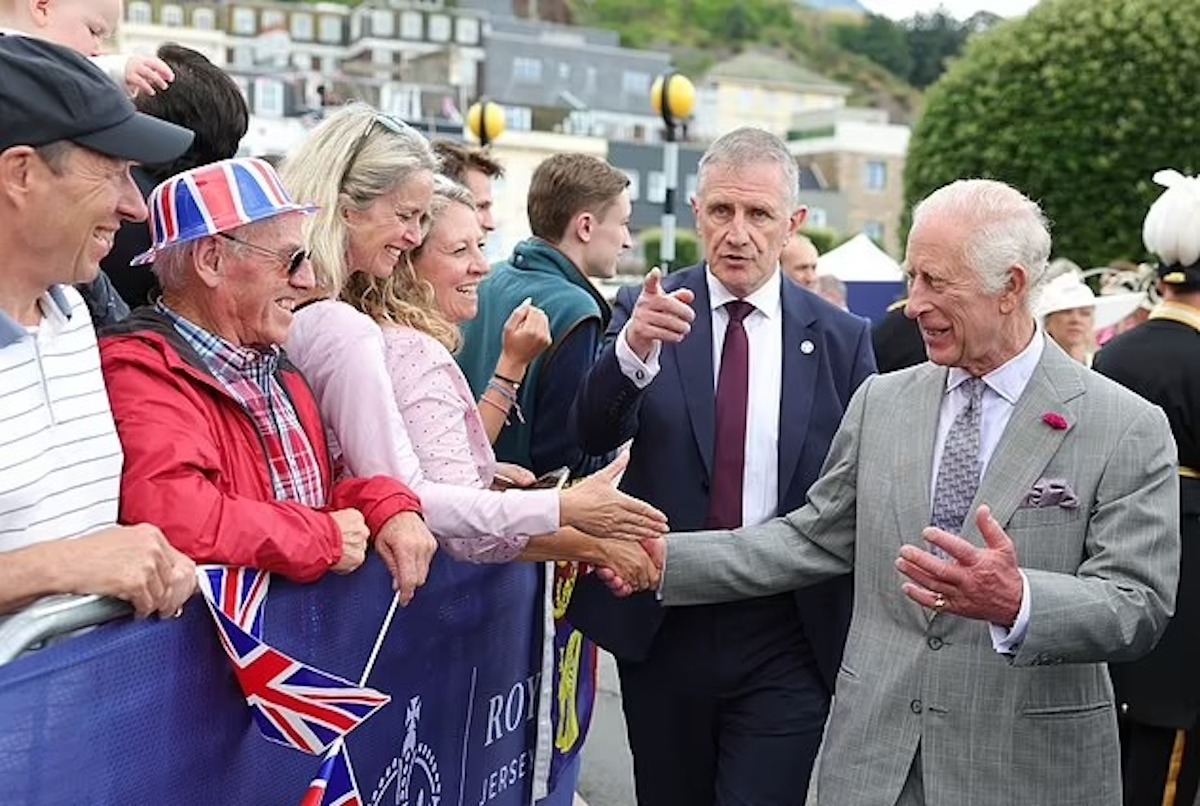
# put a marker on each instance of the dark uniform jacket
(1160, 360)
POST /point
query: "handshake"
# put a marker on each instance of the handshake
(631, 566)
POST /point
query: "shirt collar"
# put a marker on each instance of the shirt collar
(221, 356)
(1010, 378)
(53, 303)
(765, 299)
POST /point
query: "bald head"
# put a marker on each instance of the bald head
(799, 261)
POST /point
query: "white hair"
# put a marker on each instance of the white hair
(1004, 228)
(1172, 226)
(749, 146)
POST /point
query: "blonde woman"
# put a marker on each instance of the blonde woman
(373, 178)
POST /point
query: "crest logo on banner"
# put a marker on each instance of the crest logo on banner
(414, 774)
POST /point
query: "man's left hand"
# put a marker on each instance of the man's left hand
(406, 547)
(978, 583)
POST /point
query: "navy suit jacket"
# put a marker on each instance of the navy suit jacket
(826, 355)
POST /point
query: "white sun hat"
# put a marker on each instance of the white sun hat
(1068, 291)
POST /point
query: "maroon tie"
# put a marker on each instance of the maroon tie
(729, 448)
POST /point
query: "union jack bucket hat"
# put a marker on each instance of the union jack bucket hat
(215, 198)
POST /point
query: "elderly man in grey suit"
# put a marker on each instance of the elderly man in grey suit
(974, 672)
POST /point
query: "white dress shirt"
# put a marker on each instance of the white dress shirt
(764, 333)
(1002, 388)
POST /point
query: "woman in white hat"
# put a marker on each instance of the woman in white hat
(1072, 314)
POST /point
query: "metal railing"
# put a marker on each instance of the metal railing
(55, 616)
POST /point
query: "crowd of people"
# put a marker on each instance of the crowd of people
(924, 574)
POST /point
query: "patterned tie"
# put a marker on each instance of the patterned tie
(729, 449)
(958, 474)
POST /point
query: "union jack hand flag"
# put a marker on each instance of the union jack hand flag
(293, 704)
(239, 593)
(334, 784)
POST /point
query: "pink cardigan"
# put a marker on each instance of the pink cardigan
(397, 406)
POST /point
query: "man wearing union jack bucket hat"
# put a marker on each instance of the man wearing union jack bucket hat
(224, 443)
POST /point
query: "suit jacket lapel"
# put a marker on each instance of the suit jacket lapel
(917, 429)
(799, 381)
(1028, 444)
(694, 362)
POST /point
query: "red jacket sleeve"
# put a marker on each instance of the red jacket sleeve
(180, 473)
(378, 498)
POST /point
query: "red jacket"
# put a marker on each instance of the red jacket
(196, 467)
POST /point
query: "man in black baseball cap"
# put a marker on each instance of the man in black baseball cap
(52, 98)
(68, 137)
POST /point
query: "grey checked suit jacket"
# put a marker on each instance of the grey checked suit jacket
(1035, 728)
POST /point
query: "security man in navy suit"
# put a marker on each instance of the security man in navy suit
(731, 384)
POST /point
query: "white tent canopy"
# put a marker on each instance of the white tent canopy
(859, 260)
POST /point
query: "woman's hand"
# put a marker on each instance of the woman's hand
(628, 567)
(597, 507)
(508, 476)
(526, 336)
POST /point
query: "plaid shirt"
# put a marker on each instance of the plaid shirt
(249, 375)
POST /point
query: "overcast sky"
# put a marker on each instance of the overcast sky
(960, 9)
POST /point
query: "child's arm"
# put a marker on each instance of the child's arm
(136, 73)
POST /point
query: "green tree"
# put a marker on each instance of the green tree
(933, 39)
(687, 248)
(880, 40)
(1077, 104)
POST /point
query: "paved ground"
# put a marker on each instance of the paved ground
(607, 775)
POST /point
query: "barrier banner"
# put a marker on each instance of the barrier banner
(151, 713)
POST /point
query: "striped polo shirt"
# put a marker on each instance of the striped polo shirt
(60, 459)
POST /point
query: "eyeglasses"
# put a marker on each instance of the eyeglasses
(386, 121)
(293, 261)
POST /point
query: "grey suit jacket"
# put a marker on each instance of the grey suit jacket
(1035, 728)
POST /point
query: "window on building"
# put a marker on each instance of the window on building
(874, 230)
(635, 181)
(329, 65)
(817, 217)
(268, 97)
(589, 82)
(564, 71)
(439, 28)
(302, 61)
(875, 175)
(656, 186)
(518, 118)
(330, 29)
(204, 19)
(172, 16)
(412, 25)
(383, 22)
(139, 12)
(689, 187)
(272, 18)
(241, 56)
(527, 70)
(635, 82)
(302, 27)
(243, 22)
(466, 31)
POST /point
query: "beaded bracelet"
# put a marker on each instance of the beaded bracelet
(514, 384)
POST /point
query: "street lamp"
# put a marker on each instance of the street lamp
(673, 96)
(485, 120)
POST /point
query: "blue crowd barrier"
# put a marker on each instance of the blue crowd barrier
(150, 712)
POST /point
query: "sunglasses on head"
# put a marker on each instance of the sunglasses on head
(386, 121)
(293, 261)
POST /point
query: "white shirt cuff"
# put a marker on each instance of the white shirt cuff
(1007, 642)
(633, 367)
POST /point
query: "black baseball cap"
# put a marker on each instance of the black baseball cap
(50, 93)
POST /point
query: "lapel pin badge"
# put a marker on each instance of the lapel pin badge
(807, 347)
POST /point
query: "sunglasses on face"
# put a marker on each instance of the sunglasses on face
(386, 121)
(293, 260)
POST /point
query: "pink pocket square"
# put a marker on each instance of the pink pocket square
(1050, 493)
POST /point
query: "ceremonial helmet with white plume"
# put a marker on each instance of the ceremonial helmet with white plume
(1172, 229)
